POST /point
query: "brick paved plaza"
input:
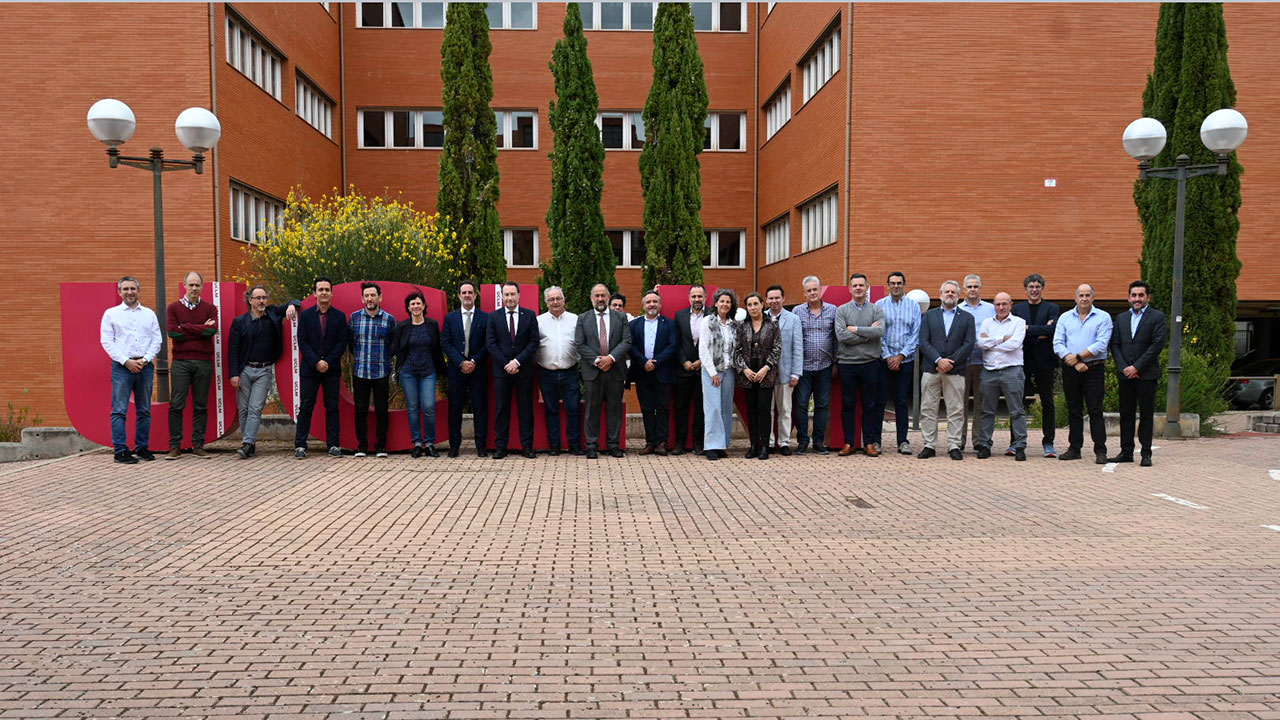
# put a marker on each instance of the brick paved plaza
(643, 587)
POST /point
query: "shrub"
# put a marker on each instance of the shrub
(11, 426)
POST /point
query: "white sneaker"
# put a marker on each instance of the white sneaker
(904, 448)
(300, 453)
(381, 453)
(335, 451)
(361, 453)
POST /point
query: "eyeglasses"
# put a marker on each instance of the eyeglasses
(258, 297)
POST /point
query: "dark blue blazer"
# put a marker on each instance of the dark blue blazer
(935, 343)
(452, 338)
(665, 345)
(1142, 351)
(314, 348)
(502, 350)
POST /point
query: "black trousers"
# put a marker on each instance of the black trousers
(1139, 395)
(473, 387)
(381, 390)
(1085, 389)
(308, 385)
(759, 402)
(190, 377)
(605, 389)
(688, 391)
(1040, 382)
(522, 385)
(655, 399)
(895, 385)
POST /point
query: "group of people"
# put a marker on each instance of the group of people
(972, 352)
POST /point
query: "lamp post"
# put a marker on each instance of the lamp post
(1222, 132)
(921, 298)
(113, 123)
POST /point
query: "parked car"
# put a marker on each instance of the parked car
(1252, 385)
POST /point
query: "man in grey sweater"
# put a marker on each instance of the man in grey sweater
(859, 325)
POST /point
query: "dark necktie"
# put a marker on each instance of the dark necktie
(511, 323)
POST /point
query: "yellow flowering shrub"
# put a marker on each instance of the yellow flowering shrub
(347, 238)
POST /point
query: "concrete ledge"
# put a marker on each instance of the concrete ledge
(12, 452)
(1188, 422)
(51, 442)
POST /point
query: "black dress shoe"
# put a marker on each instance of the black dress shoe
(753, 453)
(453, 452)
(528, 453)
(431, 451)
(926, 453)
(126, 458)
(555, 451)
(678, 450)
(1146, 461)
(713, 455)
(764, 454)
(576, 450)
(955, 454)
(983, 452)
(661, 451)
(802, 449)
(482, 452)
(822, 450)
(697, 449)
(786, 450)
(615, 453)
(1071, 454)
(1099, 458)
(1019, 454)
(417, 452)
(722, 453)
(1121, 458)
(592, 454)
(498, 454)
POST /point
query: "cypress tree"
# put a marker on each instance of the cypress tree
(669, 174)
(581, 255)
(468, 194)
(1191, 79)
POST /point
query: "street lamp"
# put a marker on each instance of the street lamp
(112, 122)
(921, 298)
(1222, 132)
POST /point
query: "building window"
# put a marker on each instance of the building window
(628, 247)
(778, 110)
(517, 129)
(401, 129)
(725, 249)
(520, 246)
(253, 212)
(314, 107)
(253, 57)
(617, 15)
(621, 130)
(819, 222)
(821, 64)
(724, 131)
(431, 15)
(777, 242)
(512, 16)
(719, 17)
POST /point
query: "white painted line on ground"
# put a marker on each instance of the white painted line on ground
(1155, 447)
(1110, 467)
(1275, 474)
(1180, 501)
(1272, 527)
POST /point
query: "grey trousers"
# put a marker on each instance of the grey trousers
(251, 397)
(1011, 382)
(935, 386)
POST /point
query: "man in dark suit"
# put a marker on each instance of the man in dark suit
(1038, 361)
(947, 338)
(322, 340)
(1137, 337)
(512, 340)
(603, 369)
(688, 384)
(653, 352)
(463, 341)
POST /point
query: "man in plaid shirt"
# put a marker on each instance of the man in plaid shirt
(817, 324)
(372, 332)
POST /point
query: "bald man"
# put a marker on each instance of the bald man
(1000, 338)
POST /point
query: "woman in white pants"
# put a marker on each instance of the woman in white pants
(716, 346)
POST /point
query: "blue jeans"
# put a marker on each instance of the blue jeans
(420, 401)
(562, 386)
(814, 384)
(124, 385)
(717, 410)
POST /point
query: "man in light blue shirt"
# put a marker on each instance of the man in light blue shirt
(1081, 340)
(981, 310)
(898, 353)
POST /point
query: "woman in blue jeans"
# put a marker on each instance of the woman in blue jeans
(717, 345)
(417, 359)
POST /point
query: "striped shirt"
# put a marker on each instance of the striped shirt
(819, 335)
(901, 328)
(371, 339)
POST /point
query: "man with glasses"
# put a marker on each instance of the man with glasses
(255, 344)
(981, 311)
(1039, 363)
(898, 353)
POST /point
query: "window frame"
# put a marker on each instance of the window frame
(713, 117)
(713, 248)
(238, 206)
(819, 202)
(507, 127)
(628, 246)
(780, 100)
(416, 21)
(716, 19)
(626, 17)
(824, 58)
(326, 104)
(250, 50)
(508, 242)
(388, 119)
(777, 233)
(628, 125)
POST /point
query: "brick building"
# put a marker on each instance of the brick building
(875, 137)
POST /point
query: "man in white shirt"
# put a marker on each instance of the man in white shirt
(1000, 338)
(130, 333)
(558, 380)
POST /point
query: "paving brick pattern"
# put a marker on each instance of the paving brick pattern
(643, 588)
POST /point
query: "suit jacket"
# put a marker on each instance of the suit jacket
(935, 343)
(502, 349)
(329, 348)
(791, 361)
(756, 349)
(1142, 350)
(665, 345)
(587, 338)
(687, 351)
(1038, 353)
(453, 337)
(400, 345)
(240, 330)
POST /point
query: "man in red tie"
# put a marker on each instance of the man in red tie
(603, 339)
(512, 340)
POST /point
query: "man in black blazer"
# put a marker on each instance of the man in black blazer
(463, 340)
(256, 344)
(947, 338)
(1038, 361)
(603, 369)
(512, 340)
(1137, 337)
(688, 384)
(322, 340)
(653, 352)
